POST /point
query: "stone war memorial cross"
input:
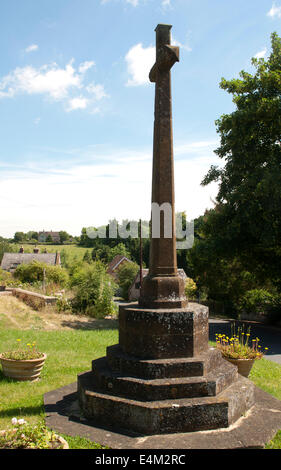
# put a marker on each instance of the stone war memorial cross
(163, 377)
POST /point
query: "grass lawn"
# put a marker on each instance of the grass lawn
(68, 353)
(71, 352)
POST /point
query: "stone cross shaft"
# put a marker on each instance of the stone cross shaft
(163, 287)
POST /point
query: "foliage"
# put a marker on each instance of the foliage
(87, 257)
(6, 247)
(19, 237)
(93, 290)
(237, 347)
(34, 272)
(64, 236)
(256, 301)
(190, 288)
(5, 277)
(28, 352)
(26, 436)
(63, 304)
(126, 275)
(246, 222)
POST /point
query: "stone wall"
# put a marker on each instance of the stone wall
(34, 300)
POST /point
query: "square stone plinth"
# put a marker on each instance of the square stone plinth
(163, 333)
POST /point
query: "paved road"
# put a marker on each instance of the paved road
(269, 336)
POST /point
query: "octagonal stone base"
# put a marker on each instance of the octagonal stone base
(162, 377)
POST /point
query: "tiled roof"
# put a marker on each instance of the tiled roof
(11, 260)
(115, 263)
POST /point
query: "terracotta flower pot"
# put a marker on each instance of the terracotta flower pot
(244, 365)
(22, 369)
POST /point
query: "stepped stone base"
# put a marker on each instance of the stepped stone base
(163, 377)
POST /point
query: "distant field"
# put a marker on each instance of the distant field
(73, 250)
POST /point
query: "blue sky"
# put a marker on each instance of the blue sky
(76, 121)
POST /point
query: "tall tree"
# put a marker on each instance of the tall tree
(247, 219)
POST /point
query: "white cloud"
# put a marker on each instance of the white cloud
(139, 62)
(48, 79)
(97, 91)
(31, 48)
(57, 83)
(261, 54)
(133, 2)
(36, 121)
(166, 3)
(70, 192)
(275, 11)
(174, 42)
(86, 66)
(77, 103)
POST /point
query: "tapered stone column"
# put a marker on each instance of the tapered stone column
(163, 288)
(162, 377)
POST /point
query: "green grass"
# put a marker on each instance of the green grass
(267, 376)
(72, 250)
(68, 354)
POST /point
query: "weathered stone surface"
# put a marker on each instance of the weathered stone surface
(162, 368)
(63, 415)
(165, 333)
(162, 389)
(176, 415)
(163, 287)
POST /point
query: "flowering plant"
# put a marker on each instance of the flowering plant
(237, 346)
(25, 436)
(28, 352)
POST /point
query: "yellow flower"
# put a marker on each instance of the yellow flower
(18, 339)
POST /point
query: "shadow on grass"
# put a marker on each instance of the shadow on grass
(22, 411)
(92, 324)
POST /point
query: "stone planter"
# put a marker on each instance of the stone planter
(22, 369)
(54, 445)
(244, 365)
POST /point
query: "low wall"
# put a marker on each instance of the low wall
(34, 300)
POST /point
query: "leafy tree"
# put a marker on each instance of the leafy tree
(126, 275)
(49, 239)
(6, 247)
(94, 290)
(64, 236)
(19, 237)
(119, 249)
(246, 223)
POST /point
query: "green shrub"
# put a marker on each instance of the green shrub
(93, 290)
(34, 272)
(190, 288)
(126, 275)
(5, 277)
(257, 301)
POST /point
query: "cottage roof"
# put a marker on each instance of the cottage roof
(11, 260)
(116, 262)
